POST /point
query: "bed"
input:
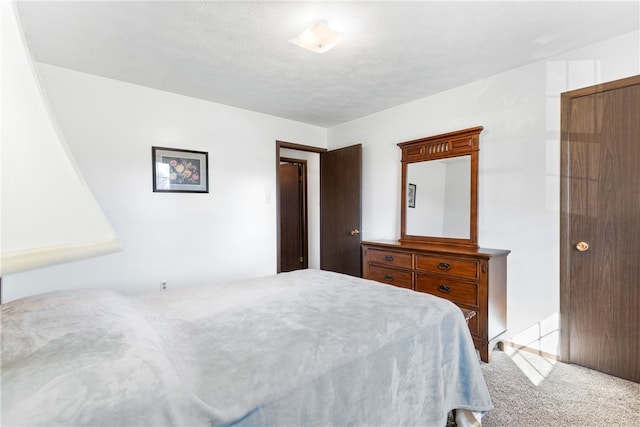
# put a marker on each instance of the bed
(306, 348)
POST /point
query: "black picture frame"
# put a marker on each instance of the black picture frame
(176, 170)
(411, 196)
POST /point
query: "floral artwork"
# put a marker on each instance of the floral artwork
(182, 171)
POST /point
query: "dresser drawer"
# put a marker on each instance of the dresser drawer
(445, 265)
(397, 259)
(390, 276)
(454, 290)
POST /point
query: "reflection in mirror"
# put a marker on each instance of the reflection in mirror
(440, 201)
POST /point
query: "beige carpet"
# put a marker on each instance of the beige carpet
(531, 391)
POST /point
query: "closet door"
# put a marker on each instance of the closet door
(600, 228)
(293, 215)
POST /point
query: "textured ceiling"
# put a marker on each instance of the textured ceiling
(238, 53)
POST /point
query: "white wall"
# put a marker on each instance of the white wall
(519, 167)
(186, 239)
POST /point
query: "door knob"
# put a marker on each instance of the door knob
(582, 246)
(355, 232)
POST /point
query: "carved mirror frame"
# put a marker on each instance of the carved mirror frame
(453, 144)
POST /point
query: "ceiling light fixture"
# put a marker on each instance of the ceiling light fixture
(318, 38)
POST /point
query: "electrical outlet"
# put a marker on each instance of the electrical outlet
(163, 285)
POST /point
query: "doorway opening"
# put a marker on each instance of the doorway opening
(287, 152)
(334, 206)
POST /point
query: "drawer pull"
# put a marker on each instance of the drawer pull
(388, 277)
(444, 266)
(388, 257)
(444, 288)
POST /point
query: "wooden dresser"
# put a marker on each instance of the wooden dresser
(474, 279)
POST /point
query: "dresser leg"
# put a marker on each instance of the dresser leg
(485, 354)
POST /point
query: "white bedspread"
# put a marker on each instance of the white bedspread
(308, 348)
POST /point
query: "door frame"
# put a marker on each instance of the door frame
(291, 146)
(302, 187)
(566, 245)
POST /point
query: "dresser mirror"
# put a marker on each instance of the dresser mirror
(440, 189)
(438, 202)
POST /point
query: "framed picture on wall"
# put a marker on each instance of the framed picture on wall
(180, 171)
(411, 196)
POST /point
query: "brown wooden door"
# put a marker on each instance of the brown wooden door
(340, 210)
(293, 238)
(600, 206)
